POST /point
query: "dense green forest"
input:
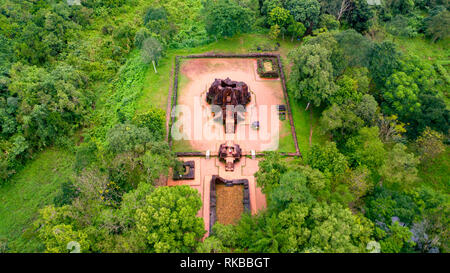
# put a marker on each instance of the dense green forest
(82, 125)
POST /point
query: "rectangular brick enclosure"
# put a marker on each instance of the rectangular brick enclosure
(193, 76)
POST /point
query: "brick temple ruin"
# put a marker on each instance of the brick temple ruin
(228, 93)
(229, 153)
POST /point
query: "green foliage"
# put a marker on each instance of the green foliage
(153, 13)
(347, 91)
(327, 159)
(305, 11)
(151, 50)
(430, 145)
(355, 47)
(158, 160)
(154, 119)
(438, 26)
(399, 6)
(51, 100)
(298, 187)
(274, 32)
(85, 155)
(269, 5)
(211, 245)
(340, 121)
(433, 113)
(367, 109)
(401, 26)
(168, 221)
(396, 239)
(57, 236)
(122, 95)
(399, 169)
(311, 74)
(279, 16)
(360, 15)
(328, 21)
(225, 18)
(127, 137)
(270, 171)
(67, 194)
(302, 227)
(359, 184)
(401, 95)
(141, 35)
(366, 149)
(33, 187)
(384, 60)
(297, 30)
(385, 204)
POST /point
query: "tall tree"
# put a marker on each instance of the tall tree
(280, 17)
(438, 27)
(327, 159)
(359, 15)
(384, 59)
(305, 11)
(312, 74)
(151, 51)
(168, 222)
(224, 18)
(366, 149)
(399, 169)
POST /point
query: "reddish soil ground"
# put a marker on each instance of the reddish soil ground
(229, 203)
(203, 133)
(206, 168)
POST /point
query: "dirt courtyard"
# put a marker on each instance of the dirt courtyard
(226, 201)
(229, 206)
(195, 123)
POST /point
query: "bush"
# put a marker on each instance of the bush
(154, 119)
(67, 194)
(126, 137)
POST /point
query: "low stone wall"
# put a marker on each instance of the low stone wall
(262, 70)
(248, 55)
(213, 198)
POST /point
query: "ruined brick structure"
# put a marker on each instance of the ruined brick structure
(227, 92)
(229, 153)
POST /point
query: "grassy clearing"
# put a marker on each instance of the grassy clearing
(437, 173)
(302, 122)
(286, 140)
(32, 188)
(432, 53)
(157, 85)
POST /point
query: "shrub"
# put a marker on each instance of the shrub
(154, 119)
(67, 194)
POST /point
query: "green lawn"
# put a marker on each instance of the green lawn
(29, 190)
(437, 173)
(302, 121)
(286, 139)
(438, 52)
(157, 85)
(432, 53)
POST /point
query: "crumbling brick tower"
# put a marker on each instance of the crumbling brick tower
(227, 92)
